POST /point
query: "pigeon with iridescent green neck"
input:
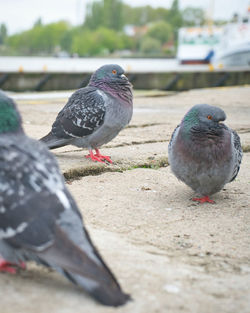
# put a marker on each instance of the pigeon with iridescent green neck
(39, 219)
(94, 115)
(203, 152)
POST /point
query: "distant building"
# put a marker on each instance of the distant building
(132, 30)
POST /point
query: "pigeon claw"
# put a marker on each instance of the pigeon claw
(103, 157)
(98, 157)
(8, 267)
(203, 199)
(94, 158)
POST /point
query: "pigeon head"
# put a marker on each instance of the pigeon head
(111, 79)
(109, 73)
(10, 119)
(205, 115)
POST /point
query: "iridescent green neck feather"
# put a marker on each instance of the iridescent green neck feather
(189, 120)
(9, 118)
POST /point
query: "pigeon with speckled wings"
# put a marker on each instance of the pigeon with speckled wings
(95, 114)
(39, 220)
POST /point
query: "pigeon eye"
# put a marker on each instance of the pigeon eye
(209, 117)
(114, 72)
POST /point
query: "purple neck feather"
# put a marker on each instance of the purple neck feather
(117, 90)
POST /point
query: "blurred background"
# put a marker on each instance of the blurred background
(169, 32)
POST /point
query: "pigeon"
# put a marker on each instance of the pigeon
(39, 219)
(95, 114)
(203, 152)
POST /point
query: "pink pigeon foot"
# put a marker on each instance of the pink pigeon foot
(103, 157)
(9, 267)
(203, 199)
(98, 157)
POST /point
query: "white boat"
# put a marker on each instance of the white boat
(197, 44)
(234, 48)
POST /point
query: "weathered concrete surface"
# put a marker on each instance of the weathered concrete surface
(171, 254)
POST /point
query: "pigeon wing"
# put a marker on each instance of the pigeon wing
(26, 185)
(174, 134)
(82, 115)
(239, 154)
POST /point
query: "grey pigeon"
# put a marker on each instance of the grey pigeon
(95, 114)
(203, 152)
(39, 219)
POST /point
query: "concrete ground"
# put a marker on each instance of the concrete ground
(170, 254)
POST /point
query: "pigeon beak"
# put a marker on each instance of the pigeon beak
(123, 76)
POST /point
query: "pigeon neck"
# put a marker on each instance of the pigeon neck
(10, 120)
(189, 121)
(120, 91)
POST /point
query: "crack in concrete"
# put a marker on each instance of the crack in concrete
(246, 148)
(243, 130)
(145, 125)
(97, 169)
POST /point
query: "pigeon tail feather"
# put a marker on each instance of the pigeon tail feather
(102, 293)
(75, 265)
(52, 142)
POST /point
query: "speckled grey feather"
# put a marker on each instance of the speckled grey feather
(39, 220)
(203, 152)
(94, 115)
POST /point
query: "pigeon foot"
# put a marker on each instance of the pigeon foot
(203, 199)
(103, 157)
(8, 267)
(98, 157)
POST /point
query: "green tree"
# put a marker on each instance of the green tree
(107, 13)
(150, 45)
(38, 22)
(143, 15)
(3, 33)
(40, 39)
(161, 31)
(175, 18)
(102, 31)
(83, 43)
(94, 17)
(67, 38)
(99, 42)
(113, 14)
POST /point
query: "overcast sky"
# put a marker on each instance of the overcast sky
(20, 15)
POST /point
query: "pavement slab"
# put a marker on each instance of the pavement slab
(170, 254)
